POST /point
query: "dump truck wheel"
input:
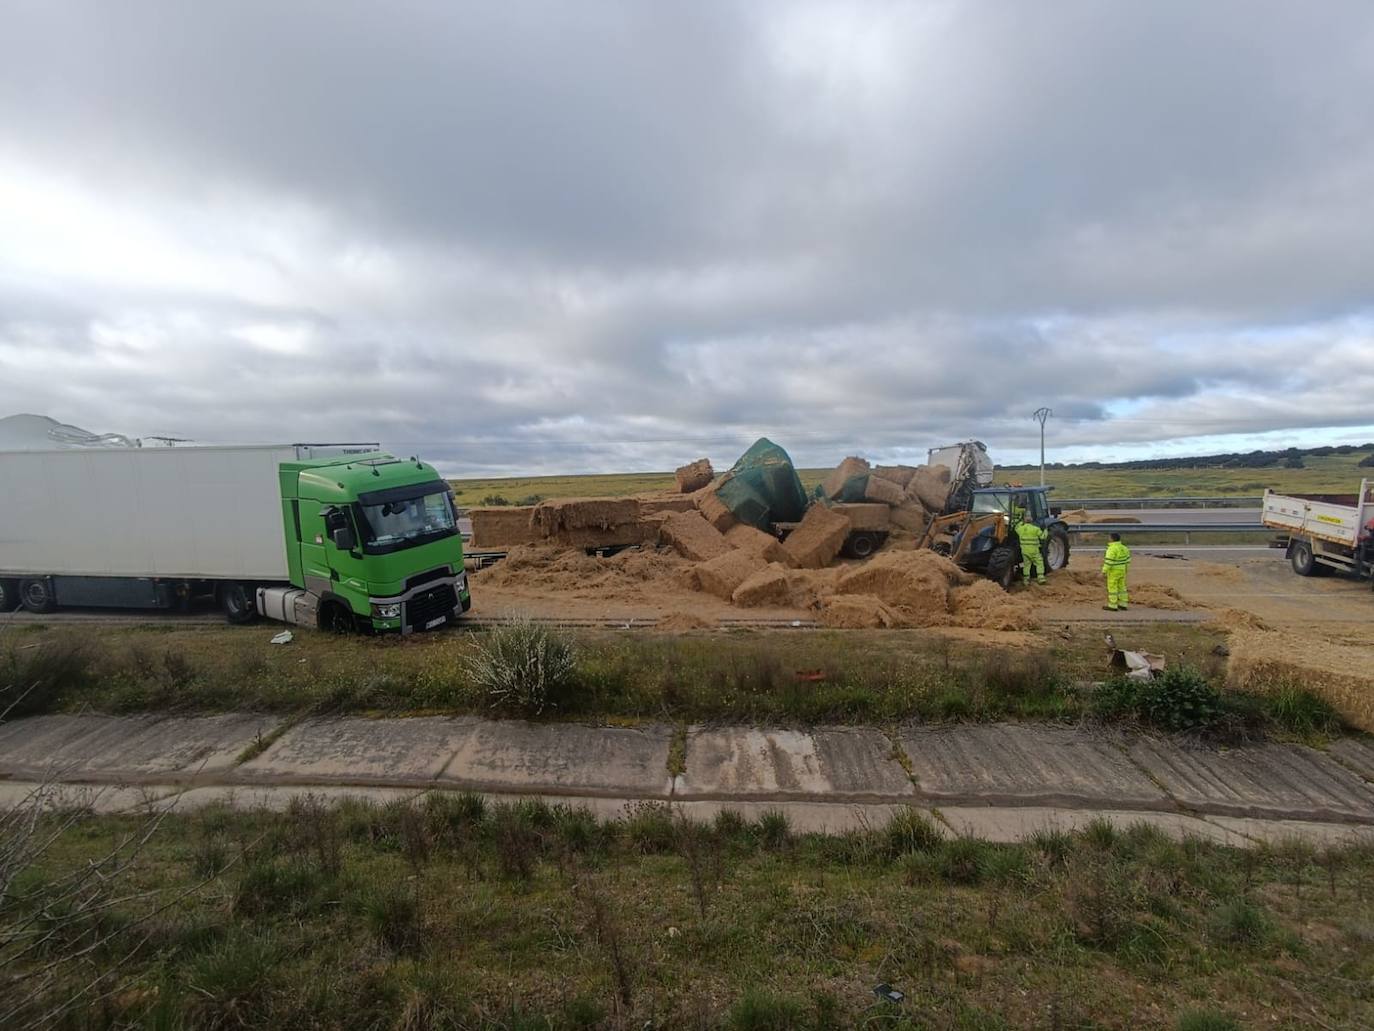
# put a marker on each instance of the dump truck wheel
(240, 605)
(36, 595)
(1056, 551)
(9, 595)
(1002, 567)
(1300, 555)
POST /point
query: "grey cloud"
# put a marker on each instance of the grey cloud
(535, 235)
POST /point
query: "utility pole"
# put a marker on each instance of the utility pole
(1040, 415)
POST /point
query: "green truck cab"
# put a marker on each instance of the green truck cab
(372, 543)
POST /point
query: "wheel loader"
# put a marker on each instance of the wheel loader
(979, 538)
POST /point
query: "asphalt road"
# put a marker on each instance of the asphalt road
(1180, 515)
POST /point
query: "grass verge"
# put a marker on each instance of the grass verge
(458, 912)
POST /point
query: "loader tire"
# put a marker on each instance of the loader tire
(1002, 566)
(1056, 550)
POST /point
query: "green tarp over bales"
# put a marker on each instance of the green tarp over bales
(763, 487)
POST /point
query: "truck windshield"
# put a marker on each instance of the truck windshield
(404, 522)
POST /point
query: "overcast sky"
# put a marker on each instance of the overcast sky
(540, 237)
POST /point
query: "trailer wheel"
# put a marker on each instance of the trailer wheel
(1001, 568)
(1300, 555)
(36, 595)
(240, 603)
(9, 595)
(861, 544)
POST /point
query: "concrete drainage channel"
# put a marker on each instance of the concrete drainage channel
(1000, 782)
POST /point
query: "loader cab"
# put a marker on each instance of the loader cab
(1014, 501)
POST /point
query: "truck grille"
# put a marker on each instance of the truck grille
(437, 573)
(428, 605)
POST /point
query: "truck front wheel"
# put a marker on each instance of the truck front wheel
(240, 603)
(1300, 555)
(36, 595)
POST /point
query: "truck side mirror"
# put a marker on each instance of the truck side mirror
(343, 538)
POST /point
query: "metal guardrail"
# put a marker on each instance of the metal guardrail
(1141, 528)
(1155, 502)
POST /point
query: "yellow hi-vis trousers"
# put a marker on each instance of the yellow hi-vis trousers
(1033, 559)
(1116, 588)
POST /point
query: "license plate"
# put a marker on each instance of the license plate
(436, 622)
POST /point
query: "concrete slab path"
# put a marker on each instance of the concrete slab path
(998, 781)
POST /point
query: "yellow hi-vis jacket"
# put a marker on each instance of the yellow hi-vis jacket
(1030, 537)
(1118, 558)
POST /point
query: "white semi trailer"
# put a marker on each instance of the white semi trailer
(340, 536)
(1325, 531)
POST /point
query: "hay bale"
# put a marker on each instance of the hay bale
(1340, 674)
(692, 537)
(842, 474)
(714, 511)
(884, 491)
(858, 612)
(725, 573)
(694, 476)
(898, 474)
(653, 504)
(625, 535)
(505, 527)
(917, 583)
(910, 516)
(768, 586)
(551, 517)
(865, 515)
(930, 486)
(755, 541)
(818, 538)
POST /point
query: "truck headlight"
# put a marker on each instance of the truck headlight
(387, 610)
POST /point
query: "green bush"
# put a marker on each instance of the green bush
(393, 916)
(774, 829)
(523, 666)
(1180, 698)
(1240, 922)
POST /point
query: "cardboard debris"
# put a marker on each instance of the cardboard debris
(1137, 665)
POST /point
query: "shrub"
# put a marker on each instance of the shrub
(1054, 844)
(1240, 922)
(233, 974)
(1180, 698)
(31, 680)
(1013, 675)
(392, 914)
(962, 860)
(495, 501)
(650, 829)
(271, 887)
(762, 1011)
(523, 666)
(911, 831)
(1206, 1020)
(774, 829)
(1301, 712)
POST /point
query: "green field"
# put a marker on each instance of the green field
(1331, 474)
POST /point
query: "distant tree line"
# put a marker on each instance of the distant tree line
(1289, 458)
